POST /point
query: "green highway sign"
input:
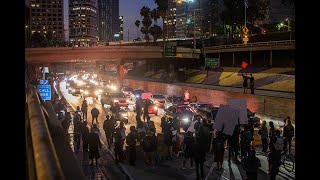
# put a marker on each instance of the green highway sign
(170, 50)
(212, 62)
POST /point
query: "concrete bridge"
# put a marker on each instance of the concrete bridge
(101, 53)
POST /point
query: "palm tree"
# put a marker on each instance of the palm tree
(155, 15)
(155, 32)
(146, 21)
(162, 10)
(137, 23)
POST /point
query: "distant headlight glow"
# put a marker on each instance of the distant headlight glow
(185, 120)
(155, 107)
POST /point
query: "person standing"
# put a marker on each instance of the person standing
(187, 96)
(251, 83)
(131, 140)
(94, 145)
(95, 113)
(200, 153)
(263, 132)
(272, 132)
(77, 130)
(219, 150)
(108, 129)
(84, 109)
(274, 159)
(148, 145)
(189, 144)
(234, 144)
(145, 110)
(246, 139)
(85, 136)
(245, 83)
(288, 134)
(251, 165)
(118, 146)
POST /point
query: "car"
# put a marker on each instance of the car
(127, 91)
(136, 94)
(183, 113)
(199, 105)
(152, 108)
(174, 100)
(113, 97)
(91, 90)
(137, 39)
(74, 89)
(158, 99)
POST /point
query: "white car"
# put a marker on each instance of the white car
(158, 99)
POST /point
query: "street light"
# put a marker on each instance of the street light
(288, 26)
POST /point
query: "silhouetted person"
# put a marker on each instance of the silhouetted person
(84, 109)
(95, 113)
(245, 83)
(131, 140)
(85, 136)
(251, 78)
(108, 128)
(94, 145)
(251, 165)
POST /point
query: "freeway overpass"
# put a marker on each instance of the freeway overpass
(115, 54)
(100, 53)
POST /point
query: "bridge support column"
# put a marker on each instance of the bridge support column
(270, 58)
(233, 59)
(250, 57)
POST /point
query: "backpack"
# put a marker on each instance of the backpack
(279, 144)
(130, 140)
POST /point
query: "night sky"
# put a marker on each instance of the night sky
(130, 10)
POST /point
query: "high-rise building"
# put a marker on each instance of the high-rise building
(170, 23)
(47, 16)
(120, 27)
(105, 21)
(83, 24)
(115, 18)
(27, 23)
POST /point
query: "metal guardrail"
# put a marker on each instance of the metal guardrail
(46, 162)
(268, 43)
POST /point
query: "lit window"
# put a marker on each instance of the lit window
(33, 5)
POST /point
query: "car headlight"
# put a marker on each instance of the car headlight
(137, 96)
(127, 100)
(86, 92)
(96, 92)
(155, 107)
(155, 101)
(115, 100)
(124, 115)
(185, 120)
(68, 84)
(100, 90)
(73, 90)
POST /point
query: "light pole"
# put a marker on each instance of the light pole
(289, 27)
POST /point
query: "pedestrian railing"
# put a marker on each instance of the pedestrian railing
(258, 44)
(46, 160)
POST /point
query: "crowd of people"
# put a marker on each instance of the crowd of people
(192, 145)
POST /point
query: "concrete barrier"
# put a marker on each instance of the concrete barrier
(265, 105)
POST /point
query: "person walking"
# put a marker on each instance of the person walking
(245, 83)
(263, 132)
(288, 134)
(251, 165)
(84, 109)
(94, 146)
(95, 113)
(251, 83)
(131, 141)
(189, 145)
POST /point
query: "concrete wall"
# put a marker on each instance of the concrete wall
(265, 105)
